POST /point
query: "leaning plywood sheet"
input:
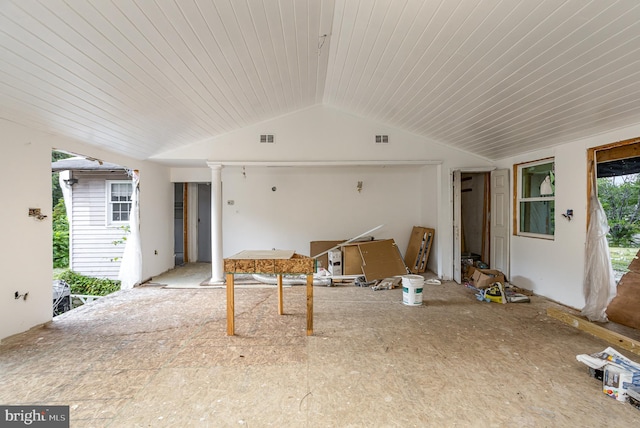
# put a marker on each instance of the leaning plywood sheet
(634, 266)
(625, 307)
(351, 260)
(381, 259)
(417, 254)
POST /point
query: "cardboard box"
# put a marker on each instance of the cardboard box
(335, 262)
(615, 381)
(483, 278)
(317, 247)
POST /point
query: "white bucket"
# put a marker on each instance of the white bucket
(412, 290)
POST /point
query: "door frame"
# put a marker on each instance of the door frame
(455, 202)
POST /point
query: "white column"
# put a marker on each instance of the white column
(217, 274)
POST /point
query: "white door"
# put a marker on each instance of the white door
(500, 221)
(457, 215)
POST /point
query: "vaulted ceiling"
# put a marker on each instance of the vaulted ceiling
(492, 77)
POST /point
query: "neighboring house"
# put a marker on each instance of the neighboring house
(97, 196)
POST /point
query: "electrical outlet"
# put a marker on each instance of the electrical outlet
(35, 212)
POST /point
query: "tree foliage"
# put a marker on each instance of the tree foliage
(56, 191)
(60, 236)
(60, 221)
(620, 197)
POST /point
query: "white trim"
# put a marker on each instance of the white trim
(109, 222)
(211, 164)
(518, 168)
(537, 235)
(472, 169)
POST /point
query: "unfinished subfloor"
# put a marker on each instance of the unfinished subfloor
(155, 356)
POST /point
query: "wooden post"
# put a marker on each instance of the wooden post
(280, 301)
(230, 308)
(310, 305)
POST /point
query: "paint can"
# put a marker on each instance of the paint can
(412, 286)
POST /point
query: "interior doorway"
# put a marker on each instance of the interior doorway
(204, 222)
(475, 226)
(192, 223)
(480, 220)
(179, 247)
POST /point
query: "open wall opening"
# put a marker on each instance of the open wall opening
(617, 173)
(615, 170)
(92, 205)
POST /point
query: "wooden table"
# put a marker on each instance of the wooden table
(269, 262)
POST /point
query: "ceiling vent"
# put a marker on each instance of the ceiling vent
(382, 139)
(267, 138)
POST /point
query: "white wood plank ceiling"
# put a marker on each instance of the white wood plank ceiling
(492, 77)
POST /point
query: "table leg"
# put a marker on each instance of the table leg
(230, 308)
(280, 302)
(309, 305)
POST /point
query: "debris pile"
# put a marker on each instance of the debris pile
(620, 376)
(490, 285)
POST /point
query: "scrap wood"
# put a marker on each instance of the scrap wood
(585, 325)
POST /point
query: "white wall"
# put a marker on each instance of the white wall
(555, 268)
(324, 134)
(318, 204)
(156, 219)
(26, 250)
(26, 253)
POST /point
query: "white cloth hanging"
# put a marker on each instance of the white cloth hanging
(545, 187)
(131, 266)
(599, 281)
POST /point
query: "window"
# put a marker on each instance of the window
(535, 187)
(118, 202)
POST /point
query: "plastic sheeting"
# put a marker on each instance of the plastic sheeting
(131, 266)
(599, 280)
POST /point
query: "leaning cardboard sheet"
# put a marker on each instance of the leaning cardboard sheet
(620, 376)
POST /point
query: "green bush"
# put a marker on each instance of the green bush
(88, 285)
(60, 236)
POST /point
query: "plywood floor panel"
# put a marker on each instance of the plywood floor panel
(155, 356)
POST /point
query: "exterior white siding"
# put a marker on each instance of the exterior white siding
(92, 247)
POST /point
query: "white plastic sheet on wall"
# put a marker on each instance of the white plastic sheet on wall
(131, 266)
(599, 280)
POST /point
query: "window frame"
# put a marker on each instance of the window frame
(519, 199)
(109, 221)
